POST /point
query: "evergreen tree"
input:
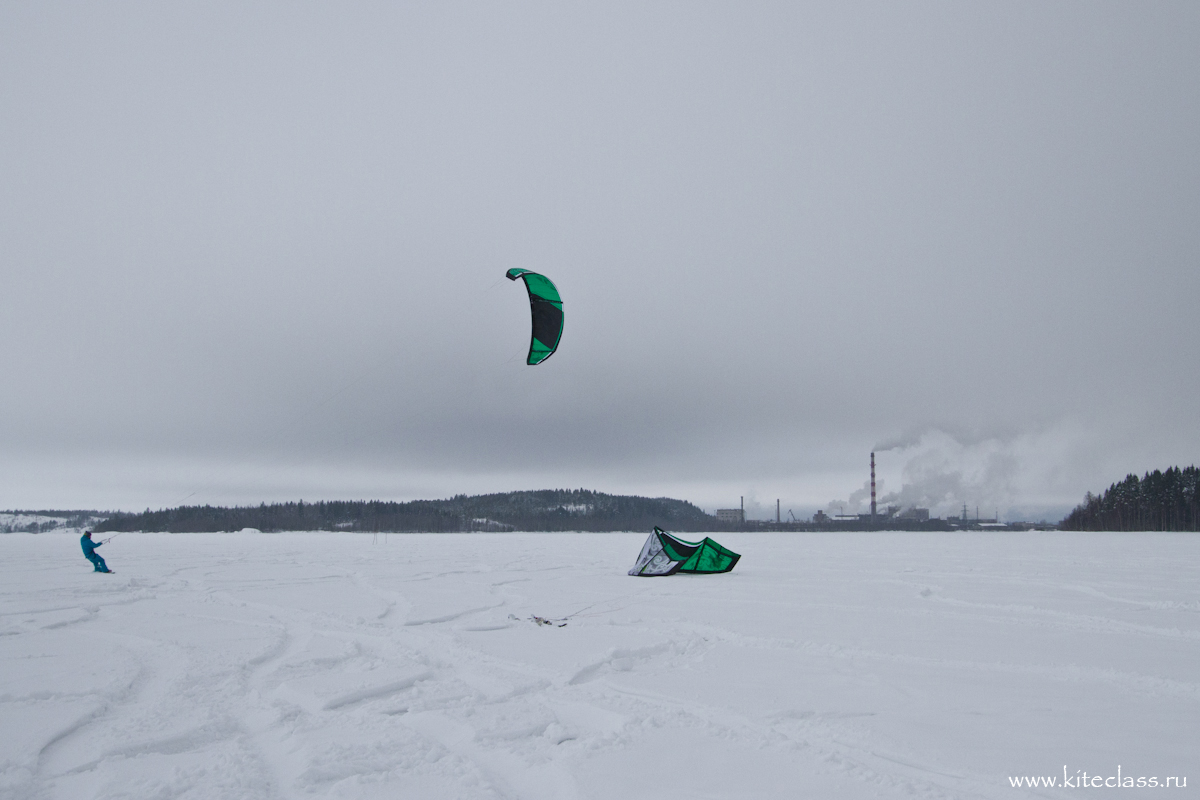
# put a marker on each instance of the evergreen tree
(1158, 501)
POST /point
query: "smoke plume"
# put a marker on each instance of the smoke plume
(942, 473)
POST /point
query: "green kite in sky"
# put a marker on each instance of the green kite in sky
(546, 307)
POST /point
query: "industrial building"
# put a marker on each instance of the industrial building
(893, 518)
(732, 516)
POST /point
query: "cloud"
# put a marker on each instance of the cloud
(279, 239)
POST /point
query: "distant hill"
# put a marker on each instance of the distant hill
(546, 510)
(1159, 501)
(47, 520)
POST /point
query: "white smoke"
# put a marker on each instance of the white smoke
(905, 440)
(942, 473)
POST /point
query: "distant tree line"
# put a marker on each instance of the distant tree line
(1159, 501)
(547, 510)
(46, 520)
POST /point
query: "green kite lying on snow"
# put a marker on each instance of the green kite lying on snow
(665, 554)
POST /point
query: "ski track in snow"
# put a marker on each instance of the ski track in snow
(853, 665)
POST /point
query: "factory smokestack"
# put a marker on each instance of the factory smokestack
(872, 487)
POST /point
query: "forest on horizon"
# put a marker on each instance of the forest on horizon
(546, 510)
(1158, 501)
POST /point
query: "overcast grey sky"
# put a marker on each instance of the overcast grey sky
(255, 251)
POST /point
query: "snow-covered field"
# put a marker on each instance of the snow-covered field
(824, 666)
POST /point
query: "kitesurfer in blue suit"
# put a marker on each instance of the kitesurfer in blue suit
(89, 552)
